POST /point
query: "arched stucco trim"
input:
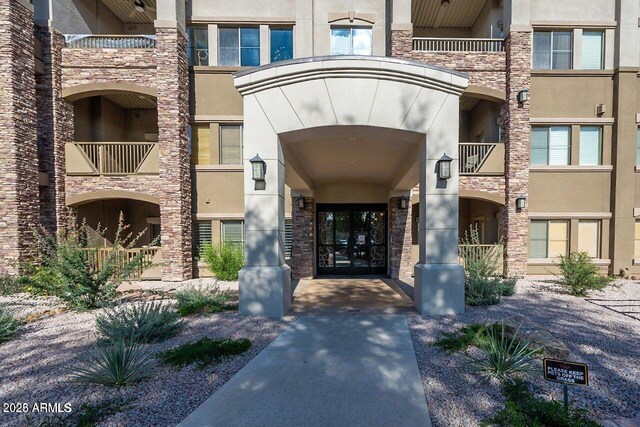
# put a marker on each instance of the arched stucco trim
(74, 93)
(486, 93)
(94, 196)
(482, 195)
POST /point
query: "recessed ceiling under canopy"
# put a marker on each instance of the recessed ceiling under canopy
(126, 10)
(130, 101)
(455, 14)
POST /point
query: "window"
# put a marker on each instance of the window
(201, 235)
(198, 45)
(548, 239)
(201, 144)
(552, 50)
(288, 238)
(351, 41)
(589, 238)
(592, 50)
(590, 145)
(550, 145)
(231, 144)
(232, 232)
(638, 147)
(281, 44)
(239, 46)
(636, 253)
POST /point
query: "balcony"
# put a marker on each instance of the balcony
(151, 260)
(109, 41)
(437, 44)
(111, 158)
(481, 158)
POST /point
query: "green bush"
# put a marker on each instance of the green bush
(201, 300)
(579, 274)
(204, 351)
(523, 409)
(150, 322)
(66, 268)
(121, 361)
(224, 260)
(505, 356)
(469, 335)
(8, 325)
(9, 285)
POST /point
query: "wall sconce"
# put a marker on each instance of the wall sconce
(404, 202)
(521, 202)
(444, 3)
(258, 168)
(444, 167)
(300, 200)
(523, 96)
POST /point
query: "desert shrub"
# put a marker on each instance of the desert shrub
(204, 352)
(523, 409)
(150, 322)
(9, 285)
(8, 325)
(91, 414)
(579, 274)
(66, 268)
(121, 361)
(224, 260)
(504, 355)
(469, 335)
(201, 300)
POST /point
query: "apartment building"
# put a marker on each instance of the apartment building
(327, 136)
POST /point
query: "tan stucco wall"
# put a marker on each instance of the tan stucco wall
(351, 193)
(214, 94)
(573, 191)
(572, 10)
(553, 96)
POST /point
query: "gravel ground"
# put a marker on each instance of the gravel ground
(607, 340)
(33, 368)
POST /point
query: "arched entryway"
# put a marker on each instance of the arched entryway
(351, 129)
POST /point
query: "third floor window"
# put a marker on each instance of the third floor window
(198, 45)
(351, 41)
(281, 44)
(239, 46)
(552, 50)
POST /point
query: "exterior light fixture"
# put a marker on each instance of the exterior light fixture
(444, 3)
(138, 5)
(404, 202)
(521, 202)
(444, 167)
(523, 96)
(258, 168)
(300, 200)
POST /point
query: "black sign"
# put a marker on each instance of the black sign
(565, 372)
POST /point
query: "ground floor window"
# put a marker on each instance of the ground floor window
(288, 238)
(589, 237)
(548, 239)
(637, 241)
(232, 232)
(201, 235)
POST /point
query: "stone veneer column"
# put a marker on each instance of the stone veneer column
(400, 239)
(515, 131)
(303, 248)
(55, 128)
(175, 174)
(18, 149)
(401, 43)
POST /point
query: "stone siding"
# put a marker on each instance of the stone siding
(303, 249)
(400, 248)
(19, 210)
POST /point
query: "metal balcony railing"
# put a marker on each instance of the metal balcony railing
(437, 44)
(112, 158)
(474, 155)
(109, 41)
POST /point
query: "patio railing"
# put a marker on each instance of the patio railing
(481, 158)
(109, 41)
(438, 44)
(98, 256)
(112, 158)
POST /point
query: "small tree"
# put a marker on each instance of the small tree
(580, 275)
(83, 284)
(224, 260)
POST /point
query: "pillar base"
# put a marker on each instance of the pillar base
(438, 289)
(265, 291)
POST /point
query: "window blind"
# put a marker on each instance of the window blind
(561, 50)
(233, 231)
(201, 144)
(201, 235)
(559, 145)
(558, 235)
(539, 145)
(637, 240)
(288, 238)
(230, 145)
(592, 49)
(638, 147)
(542, 50)
(538, 239)
(590, 137)
(588, 237)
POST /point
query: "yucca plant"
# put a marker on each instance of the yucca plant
(8, 325)
(122, 361)
(505, 356)
(150, 322)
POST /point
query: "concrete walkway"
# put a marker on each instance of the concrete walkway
(325, 371)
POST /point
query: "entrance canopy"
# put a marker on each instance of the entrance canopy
(350, 122)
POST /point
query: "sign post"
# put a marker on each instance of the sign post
(566, 373)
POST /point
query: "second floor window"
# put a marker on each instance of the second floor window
(351, 41)
(550, 145)
(281, 44)
(552, 50)
(230, 144)
(239, 46)
(198, 45)
(590, 145)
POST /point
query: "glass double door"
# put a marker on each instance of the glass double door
(351, 239)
